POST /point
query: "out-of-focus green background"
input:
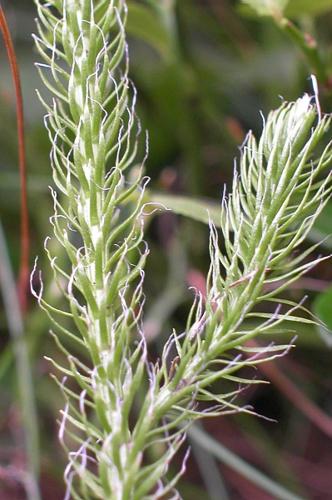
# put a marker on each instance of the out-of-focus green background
(205, 70)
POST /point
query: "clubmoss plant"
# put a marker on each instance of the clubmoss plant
(106, 427)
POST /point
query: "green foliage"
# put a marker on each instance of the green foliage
(290, 8)
(273, 8)
(146, 25)
(196, 209)
(297, 8)
(322, 308)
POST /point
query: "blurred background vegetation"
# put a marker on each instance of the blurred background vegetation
(206, 71)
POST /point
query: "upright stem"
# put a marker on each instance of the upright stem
(23, 280)
(24, 375)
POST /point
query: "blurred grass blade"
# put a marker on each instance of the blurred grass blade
(309, 48)
(322, 307)
(246, 470)
(273, 8)
(24, 376)
(9, 181)
(203, 210)
(296, 8)
(144, 23)
(209, 470)
(171, 296)
(197, 209)
(322, 229)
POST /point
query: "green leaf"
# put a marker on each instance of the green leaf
(296, 8)
(273, 8)
(323, 309)
(201, 210)
(239, 465)
(323, 227)
(292, 9)
(144, 23)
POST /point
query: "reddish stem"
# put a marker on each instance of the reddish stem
(23, 279)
